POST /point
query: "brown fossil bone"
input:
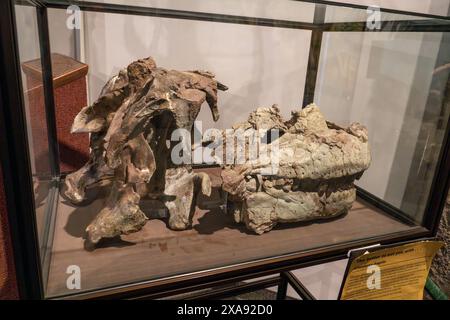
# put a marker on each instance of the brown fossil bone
(316, 165)
(130, 125)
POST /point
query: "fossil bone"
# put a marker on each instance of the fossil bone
(130, 124)
(316, 165)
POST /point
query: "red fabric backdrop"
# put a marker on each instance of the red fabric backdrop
(8, 287)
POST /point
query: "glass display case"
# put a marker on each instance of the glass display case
(81, 225)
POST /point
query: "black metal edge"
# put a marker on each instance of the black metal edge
(49, 206)
(383, 10)
(47, 78)
(178, 14)
(388, 26)
(350, 257)
(282, 287)
(205, 166)
(30, 3)
(49, 231)
(441, 182)
(52, 138)
(243, 271)
(439, 187)
(357, 26)
(384, 206)
(432, 109)
(271, 22)
(37, 3)
(314, 57)
(15, 161)
(197, 287)
(298, 286)
(230, 291)
(53, 3)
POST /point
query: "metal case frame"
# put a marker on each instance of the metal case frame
(16, 160)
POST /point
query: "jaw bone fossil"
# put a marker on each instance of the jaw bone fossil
(130, 124)
(317, 163)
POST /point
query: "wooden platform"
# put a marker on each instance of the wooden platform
(214, 241)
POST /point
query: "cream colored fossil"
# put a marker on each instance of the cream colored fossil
(130, 124)
(317, 163)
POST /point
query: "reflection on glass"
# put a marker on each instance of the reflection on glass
(381, 80)
(269, 9)
(29, 52)
(394, 84)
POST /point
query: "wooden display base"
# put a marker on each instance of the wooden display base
(215, 240)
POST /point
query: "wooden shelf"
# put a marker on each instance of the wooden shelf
(214, 241)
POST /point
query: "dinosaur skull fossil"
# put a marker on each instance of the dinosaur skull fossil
(317, 163)
(130, 124)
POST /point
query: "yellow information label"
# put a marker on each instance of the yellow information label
(394, 273)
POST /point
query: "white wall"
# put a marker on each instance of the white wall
(260, 65)
(369, 78)
(62, 39)
(362, 77)
(275, 9)
(438, 7)
(28, 43)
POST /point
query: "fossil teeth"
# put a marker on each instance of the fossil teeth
(316, 164)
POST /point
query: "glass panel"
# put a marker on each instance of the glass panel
(348, 14)
(379, 79)
(269, 9)
(322, 281)
(390, 82)
(29, 51)
(246, 58)
(257, 294)
(291, 294)
(70, 89)
(262, 294)
(293, 10)
(336, 14)
(261, 57)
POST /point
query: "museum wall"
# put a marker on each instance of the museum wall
(261, 66)
(271, 66)
(354, 82)
(62, 41)
(428, 6)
